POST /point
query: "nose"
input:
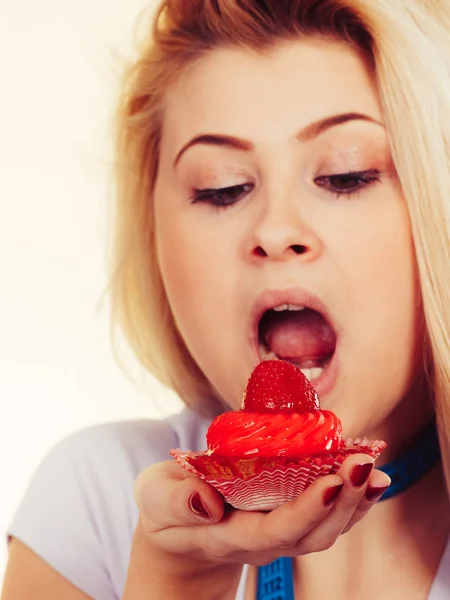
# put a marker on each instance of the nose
(282, 233)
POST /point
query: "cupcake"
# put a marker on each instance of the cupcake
(279, 442)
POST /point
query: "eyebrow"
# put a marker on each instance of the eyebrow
(306, 134)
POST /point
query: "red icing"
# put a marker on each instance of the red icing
(278, 386)
(280, 417)
(246, 434)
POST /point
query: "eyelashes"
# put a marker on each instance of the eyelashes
(222, 197)
(348, 183)
(339, 185)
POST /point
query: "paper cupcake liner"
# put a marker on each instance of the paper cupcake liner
(262, 484)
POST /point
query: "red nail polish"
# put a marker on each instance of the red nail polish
(374, 493)
(332, 493)
(360, 474)
(197, 506)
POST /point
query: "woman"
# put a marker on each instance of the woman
(274, 154)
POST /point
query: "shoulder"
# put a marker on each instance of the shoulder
(79, 514)
(121, 450)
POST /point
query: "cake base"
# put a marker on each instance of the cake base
(263, 484)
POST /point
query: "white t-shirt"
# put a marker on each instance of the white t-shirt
(79, 513)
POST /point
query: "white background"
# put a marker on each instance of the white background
(60, 62)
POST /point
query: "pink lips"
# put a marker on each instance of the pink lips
(268, 299)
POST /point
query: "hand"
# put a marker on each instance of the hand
(184, 517)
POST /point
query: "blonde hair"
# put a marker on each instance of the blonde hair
(408, 44)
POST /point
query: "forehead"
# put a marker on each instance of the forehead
(265, 96)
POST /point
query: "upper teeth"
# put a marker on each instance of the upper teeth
(282, 307)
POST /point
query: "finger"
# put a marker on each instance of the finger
(168, 496)
(252, 534)
(355, 472)
(377, 485)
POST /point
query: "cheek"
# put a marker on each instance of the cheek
(385, 334)
(373, 252)
(393, 293)
(199, 272)
(391, 282)
(182, 259)
(194, 272)
(179, 256)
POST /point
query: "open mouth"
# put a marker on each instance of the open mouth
(299, 335)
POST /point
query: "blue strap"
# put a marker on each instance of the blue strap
(275, 580)
(410, 467)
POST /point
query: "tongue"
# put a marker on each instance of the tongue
(302, 335)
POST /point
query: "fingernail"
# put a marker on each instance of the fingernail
(197, 506)
(360, 474)
(374, 493)
(332, 493)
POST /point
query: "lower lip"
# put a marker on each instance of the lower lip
(327, 380)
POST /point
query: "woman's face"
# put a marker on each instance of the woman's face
(276, 190)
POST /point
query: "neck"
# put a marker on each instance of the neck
(405, 423)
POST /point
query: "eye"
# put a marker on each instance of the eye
(222, 197)
(347, 183)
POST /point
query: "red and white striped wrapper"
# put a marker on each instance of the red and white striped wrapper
(263, 484)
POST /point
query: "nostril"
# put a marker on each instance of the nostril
(259, 251)
(298, 249)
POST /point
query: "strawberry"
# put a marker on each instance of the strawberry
(278, 386)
